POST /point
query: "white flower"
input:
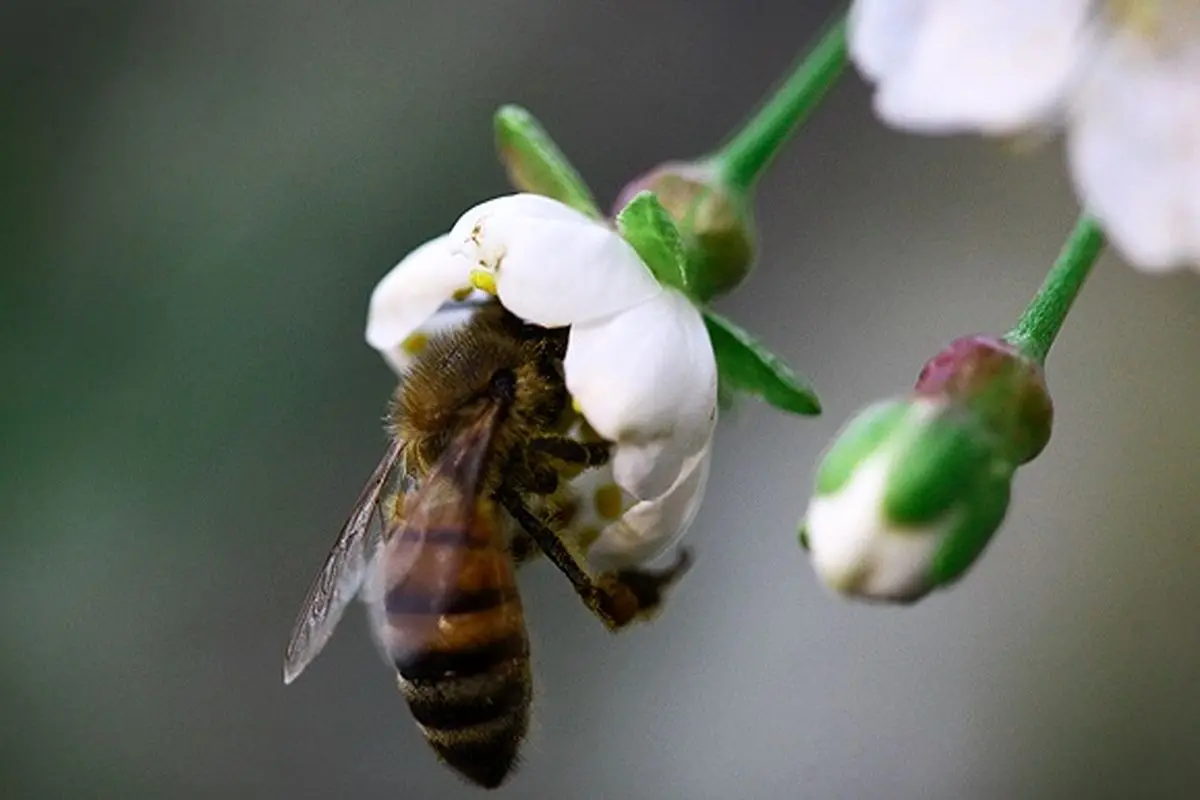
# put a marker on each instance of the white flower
(1123, 77)
(639, 364)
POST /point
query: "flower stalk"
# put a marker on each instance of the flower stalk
(746, 156)
(1043, 318)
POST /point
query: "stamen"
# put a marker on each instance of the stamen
(1142, 18)
(607, 500)
(415, 343)
(483, 280)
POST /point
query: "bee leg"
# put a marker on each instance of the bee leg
(571, 451)
(611, 597)
(543, 479)
(649, 586)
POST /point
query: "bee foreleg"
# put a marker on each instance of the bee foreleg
(571, 451)
(617, 598)
(649, 585)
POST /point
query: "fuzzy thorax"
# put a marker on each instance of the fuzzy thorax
(457, 372)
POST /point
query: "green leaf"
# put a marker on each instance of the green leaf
(747, 366)
(726, 396)
(535, 164)
(647, 226)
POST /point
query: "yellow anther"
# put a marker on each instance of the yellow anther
(608, 501)
(578, 409)
(415, 343)
(463, 293)
(483, 280)
(1142, 17)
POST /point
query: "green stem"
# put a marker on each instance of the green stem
(746, 156)
(1043, 318)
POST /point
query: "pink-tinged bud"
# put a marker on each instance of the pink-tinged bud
(715, 222)
(1004, 388)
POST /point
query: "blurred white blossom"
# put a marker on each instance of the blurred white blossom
(1121, 76)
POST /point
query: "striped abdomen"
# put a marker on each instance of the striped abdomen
(456, 633)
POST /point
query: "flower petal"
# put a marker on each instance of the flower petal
(551, 264)
(881, 34)
(1134, 150)
(945, 66)
(412, 292)
(647, 380)
(651, 526)
(595, 501)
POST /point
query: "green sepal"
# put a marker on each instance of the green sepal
(860, 439)
(938, 467)
(983, 511)
(647, 226)
(535, 164)
(715, 222)
(746, 366)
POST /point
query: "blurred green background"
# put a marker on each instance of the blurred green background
(198, 198)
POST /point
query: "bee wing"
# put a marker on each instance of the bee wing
(448, 501)
(341, 576)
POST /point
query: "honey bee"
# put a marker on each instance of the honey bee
(478, 425)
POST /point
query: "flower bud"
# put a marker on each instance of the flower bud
(1002, 386)
(714, 220)
(906, 498)
(911, 491)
